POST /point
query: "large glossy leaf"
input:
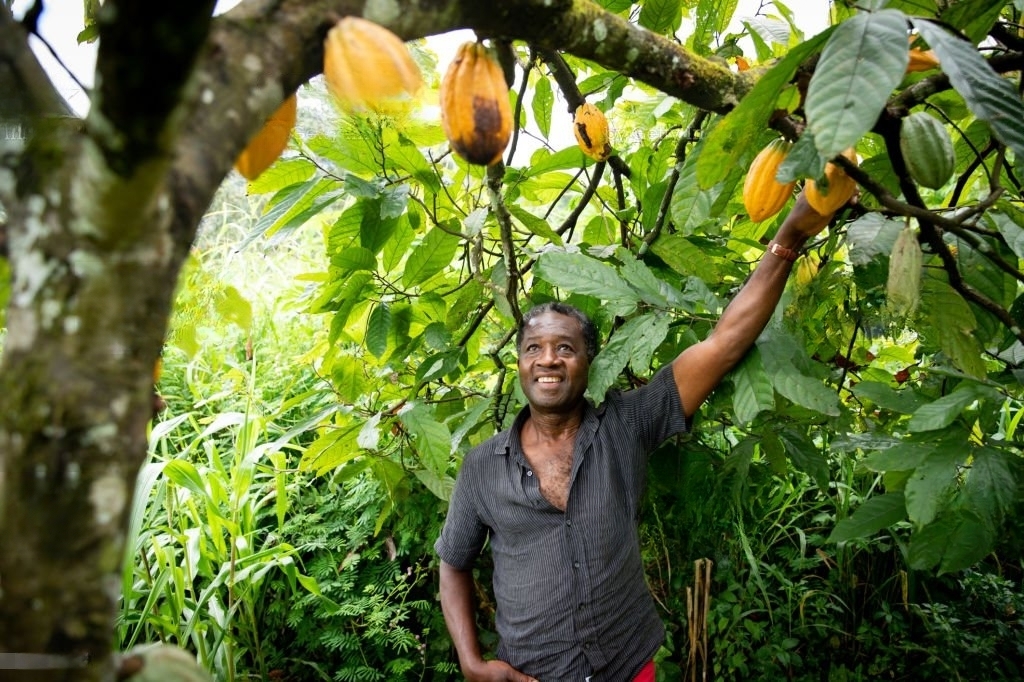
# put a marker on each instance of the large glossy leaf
(942, 412)
(989, 96)
(752, 389)
(378, 329)
(542, 103)
(430, 257)
(876, 513)
(713, 17)
(806, 456)
(955, 541)
(777, 351)
(864, 60)
(685, 257)
(991, 485)
(945, 317)
(974, 18)
(661, 16)
(929, 488)
(1010, 222)
(431, 439)
(584, 275)
(728, 143)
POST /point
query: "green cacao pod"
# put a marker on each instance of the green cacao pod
(927, 149)
(903, 290)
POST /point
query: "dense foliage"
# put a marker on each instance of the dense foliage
(856, 484)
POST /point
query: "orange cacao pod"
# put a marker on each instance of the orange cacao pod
(840, 187)
(475, 112)
(366, 66)
(591, 128)
(921, 60)
(269, 142)
(763, 195)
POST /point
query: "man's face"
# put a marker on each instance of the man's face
(553, 363)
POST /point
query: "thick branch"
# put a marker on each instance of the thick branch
(146, 57)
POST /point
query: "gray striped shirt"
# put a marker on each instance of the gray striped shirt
(570, 587)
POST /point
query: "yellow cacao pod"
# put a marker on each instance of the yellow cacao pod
(269, 142)
(921, 60)
(367, 67)
(763, 195)
(475, 113)
(591, 129)
(828, 200)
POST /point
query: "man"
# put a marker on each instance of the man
(558, 493)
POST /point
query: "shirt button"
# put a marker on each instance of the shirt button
(568, 523)
(529, 472)
(575, 564)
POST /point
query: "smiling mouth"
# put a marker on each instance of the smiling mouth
(548, 380)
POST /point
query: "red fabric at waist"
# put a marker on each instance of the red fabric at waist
(647, 674)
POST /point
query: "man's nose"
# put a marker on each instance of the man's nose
(548, 355)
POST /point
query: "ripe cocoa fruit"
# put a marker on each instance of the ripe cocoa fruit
(763, 195)
(475, 111)
(840, 187)
(591, 129)
(269, 142)
(367, 67)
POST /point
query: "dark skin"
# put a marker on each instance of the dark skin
(553, 368)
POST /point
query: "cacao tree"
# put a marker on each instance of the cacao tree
(899, 345)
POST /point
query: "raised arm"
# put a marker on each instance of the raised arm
(700, 368)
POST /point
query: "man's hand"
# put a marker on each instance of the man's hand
(495, 671)
(804, 220)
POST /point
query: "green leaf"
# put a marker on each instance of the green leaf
(974, 18)
(929, 488)
(584, 275)
(334, 448)
(648, 286)
(955, 541)
(863, 61)
(905, 456)
(1010, 223)
(660, 16)
(691, 207)
(377, 330)
(876, 513)
(806, 456)
(542, 104)
(728, 143)
(904, 401)
(946, 317)
(441, 486)
(232, 307)
(348, 378)
(752, 389)
(635, 341)
(685, 257)
(431, 439)
(991, 486)
(283, 173)
(534, 224)
(354, 259)
(944, 411)
(433, 255)
(789, 381)
(713, 17)
(989, 96)
(293, 213)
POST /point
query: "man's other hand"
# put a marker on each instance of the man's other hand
(496, 671)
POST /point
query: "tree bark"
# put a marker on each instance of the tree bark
(100, 215)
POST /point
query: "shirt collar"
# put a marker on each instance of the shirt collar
(508, 439)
